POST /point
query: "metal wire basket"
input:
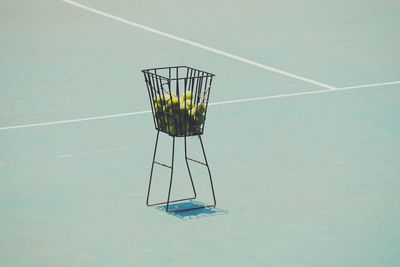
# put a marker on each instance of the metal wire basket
(179, 99)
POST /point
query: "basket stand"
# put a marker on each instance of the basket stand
(179, 99)
(171, 167)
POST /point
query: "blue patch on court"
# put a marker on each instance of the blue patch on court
(194, 213)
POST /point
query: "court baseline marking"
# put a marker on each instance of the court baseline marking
(103, 151)
(211, 104)
(198, 45)
(303, 93)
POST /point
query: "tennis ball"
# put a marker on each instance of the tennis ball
(172, 130)
(186, 103)
(165, 108)
(189, 105)
(187, 95)
(157, 106)
(158, 99)
(175, 100)
(202, 107)
(164, 99)
(192, 112)
(168, 104)
(182, 105)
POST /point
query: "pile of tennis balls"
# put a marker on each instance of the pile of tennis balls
(179, 115)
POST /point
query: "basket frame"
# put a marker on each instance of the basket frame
(165, 85)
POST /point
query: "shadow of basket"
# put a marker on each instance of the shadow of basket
(191, 210)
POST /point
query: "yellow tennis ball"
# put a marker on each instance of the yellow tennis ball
(175, 100)
(182, 105)
(158, 99)
(187, 95)
(157, 106)
(202, 107)
(172, 130)
(192, 112)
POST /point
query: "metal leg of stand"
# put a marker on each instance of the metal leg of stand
(172, 172)
(188, 168)
(209, 171)
(152, 167)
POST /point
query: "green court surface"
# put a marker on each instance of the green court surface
(303, 137)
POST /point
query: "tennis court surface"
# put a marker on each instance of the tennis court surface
(302, 133)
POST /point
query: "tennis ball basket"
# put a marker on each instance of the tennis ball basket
(179, 100)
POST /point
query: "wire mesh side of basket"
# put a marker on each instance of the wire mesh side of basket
(179, 99)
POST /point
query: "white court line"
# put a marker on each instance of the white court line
(304, 93)
(371, 85)
(211, 104)
(198, 45)
(110, 150)
(75, 120)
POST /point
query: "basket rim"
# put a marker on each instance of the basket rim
(206, 73)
